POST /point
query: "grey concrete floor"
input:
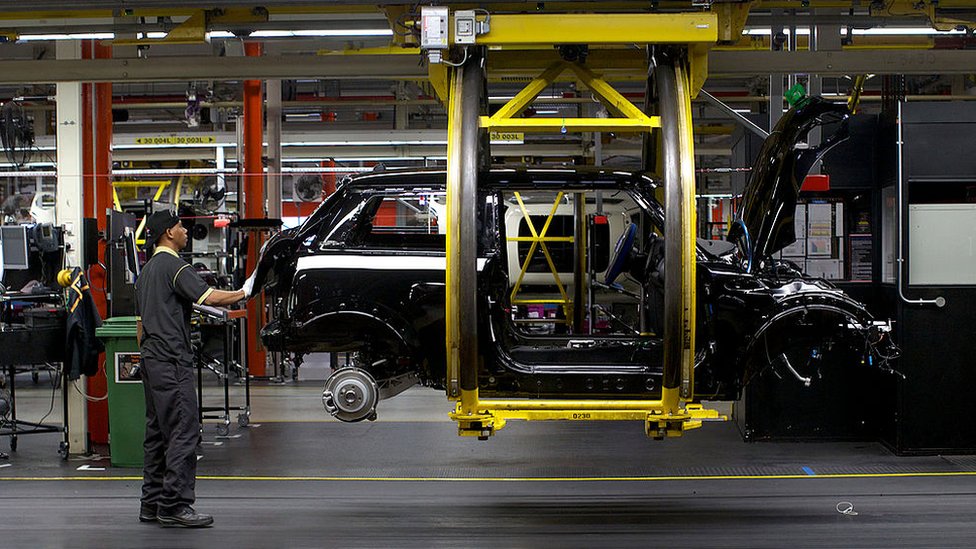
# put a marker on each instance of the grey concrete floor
(297, 478)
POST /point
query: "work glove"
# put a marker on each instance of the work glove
(248, 287)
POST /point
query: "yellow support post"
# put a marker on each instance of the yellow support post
(697, 68)
(686, 157)
(451, 244)
(440, 80)
(855, 98)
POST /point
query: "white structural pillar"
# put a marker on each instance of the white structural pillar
(273, 181)
(70, 211)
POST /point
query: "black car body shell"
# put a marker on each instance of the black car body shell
(332, 294)
(765, 220)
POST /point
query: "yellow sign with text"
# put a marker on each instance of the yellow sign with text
(517, 138)
(176, 140)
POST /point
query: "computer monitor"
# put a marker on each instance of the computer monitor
(13, 241)
(131, 253)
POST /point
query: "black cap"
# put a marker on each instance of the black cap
(158, 222)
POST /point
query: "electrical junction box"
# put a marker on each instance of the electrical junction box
(433, 27)
(465, 27)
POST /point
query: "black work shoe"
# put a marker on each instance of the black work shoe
(147, 512)
(184, 517)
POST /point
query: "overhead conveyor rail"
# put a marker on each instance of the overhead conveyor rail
(676, 75)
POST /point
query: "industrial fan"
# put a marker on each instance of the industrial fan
(209, 196)
(16, 133)
(308, 188)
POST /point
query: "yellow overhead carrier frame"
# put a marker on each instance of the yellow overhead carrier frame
(678, 78)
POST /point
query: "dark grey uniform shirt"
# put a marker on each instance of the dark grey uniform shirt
(166, 290)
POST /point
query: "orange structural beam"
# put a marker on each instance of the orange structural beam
(253, 195)
(97, 149)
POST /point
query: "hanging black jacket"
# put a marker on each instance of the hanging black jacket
(81, 345)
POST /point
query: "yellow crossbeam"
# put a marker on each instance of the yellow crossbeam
(564, 125)
(602, 28)
(631, 118)
(611, 98)
(194, 29)
(661, 418)
(191, 31)
(160, 187)
(541, 239)
(524, 98)
(138, 184)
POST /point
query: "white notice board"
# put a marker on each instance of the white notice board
(941, 244)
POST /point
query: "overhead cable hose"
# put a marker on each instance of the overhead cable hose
(745, 232)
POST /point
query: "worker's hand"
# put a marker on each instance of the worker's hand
(248, 287)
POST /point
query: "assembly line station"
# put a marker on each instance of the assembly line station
(691, 272)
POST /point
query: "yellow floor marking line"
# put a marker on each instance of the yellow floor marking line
(517, 479)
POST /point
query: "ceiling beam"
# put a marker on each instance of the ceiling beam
(399, 67)
(839, 63)
(182, 69)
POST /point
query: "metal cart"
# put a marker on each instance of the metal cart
(233, 361)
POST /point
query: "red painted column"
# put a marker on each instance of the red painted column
(253, 194)
(329, 177)
(87, 161)
(102, 200)
(96, 385)
(103, 170)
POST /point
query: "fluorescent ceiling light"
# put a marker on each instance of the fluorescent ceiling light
(393, 143)
(305, 116)
(216, 171)
(390, 158)
(324, 169)
(767, 32)
(311, 33)
(510, 97)
(157, 35)
(21, 172)
(171, 146)
(320, 33)
(876, 31)
(381, 143)
(78, 36)
(172, 171)
(904, 31)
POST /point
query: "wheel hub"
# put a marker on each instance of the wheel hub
(351, 394)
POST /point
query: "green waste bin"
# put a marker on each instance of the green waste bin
(126, 399)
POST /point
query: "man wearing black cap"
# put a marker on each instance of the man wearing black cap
(166, 290)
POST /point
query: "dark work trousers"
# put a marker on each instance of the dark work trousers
(172, 435)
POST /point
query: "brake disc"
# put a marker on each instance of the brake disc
(351, 395)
